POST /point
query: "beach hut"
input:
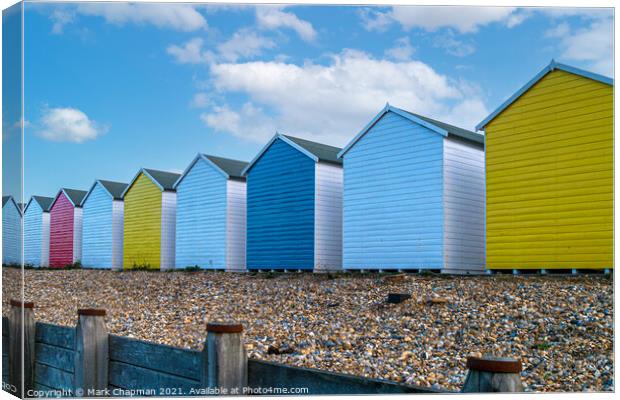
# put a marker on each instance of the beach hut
(66, 228)
(211, 206)
(37, 231)
(11, 231)
(294, 206)
(150, 220)
(102, 236)
(549, 173)
(413, 195)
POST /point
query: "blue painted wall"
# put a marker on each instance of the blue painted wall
(33, 225)
(97, 229)
(280, 210)
(393, 189)
(11, 232)
(201, 218)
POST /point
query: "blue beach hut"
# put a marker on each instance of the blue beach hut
(37, 231)
(294, 210)
(211, 214)
(11, 231)
(413, 195)
(102, 231)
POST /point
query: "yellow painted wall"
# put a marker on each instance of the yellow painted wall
(549, 171)
(142, 236)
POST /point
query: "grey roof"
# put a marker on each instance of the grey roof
(165, 179)
(116, 189)
(44, 202)
(5, 199)
(451, 129)
(322, 151)
(76, 196)
(233, 168)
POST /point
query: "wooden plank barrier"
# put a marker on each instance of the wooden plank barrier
(87, 361)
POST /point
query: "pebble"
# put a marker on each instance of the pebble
(560, 327)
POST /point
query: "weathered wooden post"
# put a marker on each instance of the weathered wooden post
(493, 374)
(224, 360)
(21, 359)
(91, 353)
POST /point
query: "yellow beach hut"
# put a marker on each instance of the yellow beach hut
(549, 174)
(150, 220)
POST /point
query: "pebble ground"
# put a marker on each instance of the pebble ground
(560, 327)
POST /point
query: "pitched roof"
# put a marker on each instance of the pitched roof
(552, 66)
(322, 151)
(439, 127)
(44, 202)
(75, 196)
(5, 199)
(233, 168)
(163, 179)
(451, 129)
(316, 151)
(116, 189)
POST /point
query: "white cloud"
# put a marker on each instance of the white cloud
(273, 17)
(201, 100)
(453, 46)
(593, 45)
(182, 17)
(191, 52)
(244, 44)
(68, 125)
(330, 103)
(61, 17)
(431, 18)
(402, 50)
(558, 31)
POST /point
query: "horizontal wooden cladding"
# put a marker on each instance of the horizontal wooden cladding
(201, 218)
(550, 177)
(393, 197)
(567, 132)
(553, 155)
(60, 336)
(158, 357)
(142, 225)
(281, 209)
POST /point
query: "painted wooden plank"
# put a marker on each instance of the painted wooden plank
(168, 229)
(61, 232)
(5, 326)
(129, 376)
(236, 225)
(550, 177)
(142, 224)
(166, 359)
(55, 335)
(393, 197)
(464, 196)
(280, 209)
(54, 356)
(33, 234)
(201, 218)
(11, 232)
(328, 217)
(97, 231)
(53, 377)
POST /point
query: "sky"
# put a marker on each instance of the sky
(110, 88)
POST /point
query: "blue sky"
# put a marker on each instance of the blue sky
(110, 88)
